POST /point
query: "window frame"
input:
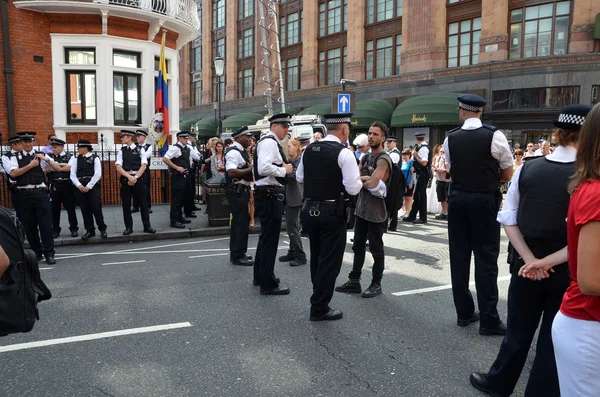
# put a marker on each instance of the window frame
(459, 34)
(324, 18)
(138, 56)
(395, 67)
(245, 44)
(125, 120)
(82, 99)
(69, 49)
(521, 93)
(216, 17)
(324, 77)
(243, 6)
(196, 93)
(242, 86)
(396, 5)
(284, 29)
(297, 81)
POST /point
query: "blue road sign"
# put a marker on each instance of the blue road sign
(343, 103)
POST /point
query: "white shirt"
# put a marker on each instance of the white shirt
(508, 215)
(174, 152)
(6, 165)
(538, 152)
(48, 168)
(131, 147)
(423, 153)
(267, 152)
(347, 163)
(147, 152)
(14, 165)
(395, 156)
(234, 160)
(499, 148)
(97, 171)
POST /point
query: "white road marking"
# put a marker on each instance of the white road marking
(209, 255)
(438, 288)
(123, 263)
(46, 268)
(83, 338)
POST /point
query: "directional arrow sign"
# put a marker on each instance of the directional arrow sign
(343, 103)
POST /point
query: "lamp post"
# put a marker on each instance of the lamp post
(219, 70)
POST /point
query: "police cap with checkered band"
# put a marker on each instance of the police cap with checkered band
(471, 102)
(572, 117)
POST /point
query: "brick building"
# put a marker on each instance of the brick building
(528, 58)
(84, 69)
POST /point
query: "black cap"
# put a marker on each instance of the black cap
(14, 139)
(192, 133)
(338, 118)
(420, 134)
(572, 117)
(182, 134)
(57, 142)
(471, 102)
(127, 133)
(303, 139)
(84, 143)
(26, 136)
(281, 118)
(391, 139)
(141, 132)
(241, 132)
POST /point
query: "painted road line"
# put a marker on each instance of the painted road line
(46, 268)
(208, 255)
(123, 263)
(88, 337)
(438, 288)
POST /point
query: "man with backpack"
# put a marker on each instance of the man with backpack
(371, 213)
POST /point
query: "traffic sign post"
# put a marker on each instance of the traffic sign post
(343, 102)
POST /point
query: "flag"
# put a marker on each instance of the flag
(162, 98)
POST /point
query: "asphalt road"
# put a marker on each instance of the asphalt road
(227, 340)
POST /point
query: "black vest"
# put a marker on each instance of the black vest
(184, 159)
(132, 160)
(323, 178)
(35, 176)
(85, 167)
(474, 169)
(283, 181)
(248, 177)
(423, 170)
(62, 176)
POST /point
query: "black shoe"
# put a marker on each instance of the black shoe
(55, 234)
(103, 234)
(419, 222)
(480, 382)
(407, 219)
(196, 208)
(464, 322)
(74, 233)
(149, 211)
(249, 257)
(303, 234)
(286, 258)
(351, 286)
(185, 221)
(279, 290)
(191, 216)
(330, 315)
(40, 257)
(441, 217)
(298, 262)
(87, 235)
(50, 259)
(373, 290)
(500, 330)
(149, 229)
(127, 232)
(242, 262)
(178, 225)
(134, 210)
(393, 229)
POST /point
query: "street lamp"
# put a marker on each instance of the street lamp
(219, 70)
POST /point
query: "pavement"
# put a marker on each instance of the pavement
(175, 318)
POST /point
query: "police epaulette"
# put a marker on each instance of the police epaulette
(490, 127)
(454, 130)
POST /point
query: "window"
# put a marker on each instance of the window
(157, 64)
(333, 17)
(540, 30)
(245, 8)
(331, 66)
(245, 83)
(291, 73)
(246, 43)
(218, 48)
(126, 98)
(81, 97)
(381, 10)
(80, 56)
(127, 59)
(196, 93)
(290, 30)
(218, 15)
(535, 98)
(463, 42)
(595, 94)
(218, 89)
(196, 59)
(383, 57)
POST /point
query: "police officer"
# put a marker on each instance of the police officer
(86, 172)
(131, 164)
(422, 165)
(396, 157)
(270, 169)
(34, 204)
(330, 175)
(62, 191)
(189, 205)
(304, 142)
(15, 147)
(140, 139)
(238, 178)
(479, 158)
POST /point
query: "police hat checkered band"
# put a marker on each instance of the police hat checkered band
(282, 118)
(57, 141)
(127, 133)
(338, 120)
(391, 139)
(14, 139)
(470, 108)
(571, 119)
(84, 143)
(26, 133)
(182, 135)
(240, 132)
(304, 139)
(141, 132)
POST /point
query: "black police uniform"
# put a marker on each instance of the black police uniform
(90, 202)
(132, 162)
(179, 184)
(62, 192)
(420, 195)
(393, 216)
(145, 179)
(189, 203)
(34, 206)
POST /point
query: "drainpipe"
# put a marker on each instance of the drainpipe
(8, 68)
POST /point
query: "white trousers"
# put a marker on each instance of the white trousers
(577, 351)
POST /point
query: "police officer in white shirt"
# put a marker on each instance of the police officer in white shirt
(140, 139)
(479, 158)
(189, 205)
(421, 165)
(15, 147)
(270, 169)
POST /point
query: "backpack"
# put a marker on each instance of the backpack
(21, 287)
(395, 186)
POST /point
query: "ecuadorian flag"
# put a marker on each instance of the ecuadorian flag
(162, 98)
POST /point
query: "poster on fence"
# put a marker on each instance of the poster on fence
(156, 163)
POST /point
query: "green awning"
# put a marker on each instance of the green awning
(186, 124)
(319, 110)
(206, 128)
(371, 110)
(425, 110)
(236, 121)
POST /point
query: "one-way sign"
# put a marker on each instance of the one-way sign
(343, 102)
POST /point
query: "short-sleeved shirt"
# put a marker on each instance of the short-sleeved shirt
(584, 208)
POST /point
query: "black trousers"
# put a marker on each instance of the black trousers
(527, 302)
(91, 207)
(372, 231)
(135, 192)
(240, 222)
(472, 227)
(270, 211)
(145, 181)
(178, 189)
(393, 218)
(34, 212)
(420, 198)
(292, 224)
(189, 204)
(327, 236)
(63, 195)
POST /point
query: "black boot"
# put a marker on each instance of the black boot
(350, 286)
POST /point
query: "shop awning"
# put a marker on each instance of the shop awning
(186, 124)
(319, 110)
(371, 110)
(425, 110)
(206, 128)
(236, 121)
